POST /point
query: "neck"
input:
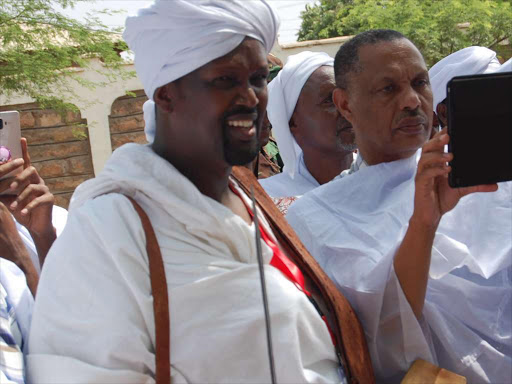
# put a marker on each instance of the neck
(325, 168)
(374, 158)
(212, 180)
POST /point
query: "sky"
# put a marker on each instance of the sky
(288, 11)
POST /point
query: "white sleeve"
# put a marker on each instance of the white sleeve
(367, 279)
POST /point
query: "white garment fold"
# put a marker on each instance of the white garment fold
(353, 227)
(284, 185)
(93, 320)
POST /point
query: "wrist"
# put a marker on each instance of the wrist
(425, 227)
(22, 259)
(49, 234)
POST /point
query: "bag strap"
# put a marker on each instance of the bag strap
(160, 300)
(347, 328)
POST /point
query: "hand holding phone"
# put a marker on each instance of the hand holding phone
(10, 144)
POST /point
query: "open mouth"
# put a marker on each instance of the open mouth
(241, 127)
(241, 123)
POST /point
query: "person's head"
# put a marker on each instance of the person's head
(215, 113)
(301, 111)
(316, 124)
(207, 79)
(383, 89)
(467, 61)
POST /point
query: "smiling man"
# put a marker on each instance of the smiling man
(428, 273)
(94, 320)
(315, 142)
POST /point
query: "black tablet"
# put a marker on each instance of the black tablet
(480, 129)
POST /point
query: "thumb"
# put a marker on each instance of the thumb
(24, 151)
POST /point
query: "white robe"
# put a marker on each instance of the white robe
(353, 227)
(285, 185)
(93, 319)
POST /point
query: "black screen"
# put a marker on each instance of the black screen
(480, 129)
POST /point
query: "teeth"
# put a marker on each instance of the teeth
(241, 123)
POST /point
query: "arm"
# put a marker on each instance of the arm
(433, 198)
(14, 250)
(31, 204)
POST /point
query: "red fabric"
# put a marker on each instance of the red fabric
(286, 266)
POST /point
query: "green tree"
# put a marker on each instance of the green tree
(437, 27)
(39, 45)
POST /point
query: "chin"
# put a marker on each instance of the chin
(241, 156)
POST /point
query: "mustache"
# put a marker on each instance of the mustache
(412, 113)
(240, 110)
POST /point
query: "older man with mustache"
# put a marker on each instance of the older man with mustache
(426, 267)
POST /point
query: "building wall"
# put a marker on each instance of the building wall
(126, 120)
(59, 148)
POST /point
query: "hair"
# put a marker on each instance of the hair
(347, 58)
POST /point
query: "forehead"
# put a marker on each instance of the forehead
(320, 81)
(390, 59)
(250, 54)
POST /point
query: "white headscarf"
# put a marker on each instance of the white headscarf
(283, 93)
(467, 61)
(173, 38)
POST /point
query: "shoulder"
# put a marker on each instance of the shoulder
(98, 231)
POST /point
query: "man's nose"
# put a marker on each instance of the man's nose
(248, 97)
(410, 99)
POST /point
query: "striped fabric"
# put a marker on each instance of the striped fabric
(11, 343)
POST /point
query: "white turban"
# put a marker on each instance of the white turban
(467, 61)
(283, 93)
(170, 39)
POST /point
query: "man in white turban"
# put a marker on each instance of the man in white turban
(427, 268)
(315, 142)
(203, 63)
(467, 61)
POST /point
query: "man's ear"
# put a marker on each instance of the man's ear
(294, 129)
(340, 100)
(442, 114)
(164, 97)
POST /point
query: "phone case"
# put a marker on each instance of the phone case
(10, 136)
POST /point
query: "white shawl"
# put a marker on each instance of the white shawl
(93, 320)
(353, 226)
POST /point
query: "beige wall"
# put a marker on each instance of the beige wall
(96, 106)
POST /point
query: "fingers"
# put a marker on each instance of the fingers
(32, 197)
(477, 188)
(27, 177)
(6, 168)
(437, 143)
(24, 151)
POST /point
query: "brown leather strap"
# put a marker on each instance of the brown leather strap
(347, 328)
(160, 300)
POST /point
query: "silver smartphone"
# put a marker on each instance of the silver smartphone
(10, 139)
